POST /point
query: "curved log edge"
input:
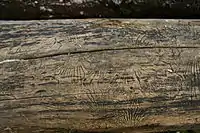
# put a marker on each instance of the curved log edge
(99, 75)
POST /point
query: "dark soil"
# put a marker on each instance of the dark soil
(55, 9)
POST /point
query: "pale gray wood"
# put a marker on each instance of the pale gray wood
(99, 75)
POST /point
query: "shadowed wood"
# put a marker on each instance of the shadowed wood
(99, 75)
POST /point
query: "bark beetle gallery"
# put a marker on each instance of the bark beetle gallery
(99, 75)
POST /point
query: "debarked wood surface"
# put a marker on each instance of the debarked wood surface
(97, 75)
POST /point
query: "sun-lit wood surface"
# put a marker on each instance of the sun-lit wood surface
(99, 75)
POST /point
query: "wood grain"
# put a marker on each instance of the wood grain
(99, 75)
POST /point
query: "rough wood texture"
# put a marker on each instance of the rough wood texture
(99, 75)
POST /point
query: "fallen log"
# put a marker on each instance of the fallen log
(99, 75)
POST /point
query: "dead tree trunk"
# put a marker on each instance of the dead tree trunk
(99, 75)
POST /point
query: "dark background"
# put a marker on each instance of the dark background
(59, 9)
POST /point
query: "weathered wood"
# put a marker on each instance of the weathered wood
(99, 75)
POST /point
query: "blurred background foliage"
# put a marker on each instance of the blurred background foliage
(47, 9)
(184, 131)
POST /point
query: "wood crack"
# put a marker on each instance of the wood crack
(104, 50)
